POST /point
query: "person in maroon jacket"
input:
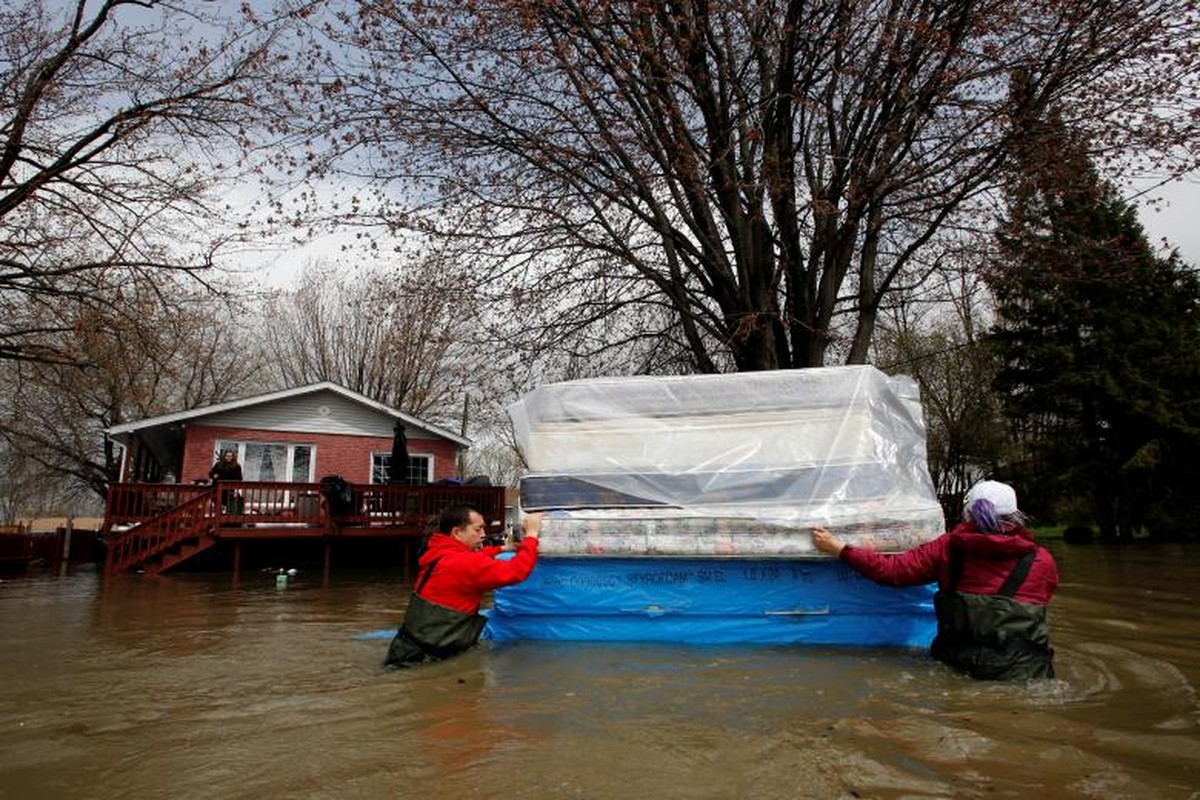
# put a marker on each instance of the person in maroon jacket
(443, 619)
(994, 586)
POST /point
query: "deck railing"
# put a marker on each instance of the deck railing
(384, 505)
(131, 503)
(266, 503)
(143, 521)
(130, 546)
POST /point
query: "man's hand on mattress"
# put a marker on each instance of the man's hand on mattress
(826, 542)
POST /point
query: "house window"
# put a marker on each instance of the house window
(266, 461)
(419, 468)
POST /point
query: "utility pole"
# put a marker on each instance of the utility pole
(461, 466)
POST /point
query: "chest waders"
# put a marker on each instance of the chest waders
(431, 632)
(992, 637)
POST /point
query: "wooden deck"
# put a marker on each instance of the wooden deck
(156, 527)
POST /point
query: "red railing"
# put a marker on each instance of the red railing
(384, 505)
(151, 538)
(143, 521)
(374, 505)
(131, 503)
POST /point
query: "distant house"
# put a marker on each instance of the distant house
(164, 513)
(295, 435)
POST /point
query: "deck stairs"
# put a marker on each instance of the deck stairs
(165, 540)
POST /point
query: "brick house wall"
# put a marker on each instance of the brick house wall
(336, 454)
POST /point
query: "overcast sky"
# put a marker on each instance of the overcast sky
(1177, 219)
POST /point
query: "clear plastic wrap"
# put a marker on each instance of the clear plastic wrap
(726, 465)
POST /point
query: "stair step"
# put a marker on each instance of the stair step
(183, 553)
(166, 540)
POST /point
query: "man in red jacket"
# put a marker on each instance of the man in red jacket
(455, 572)
(994, 585)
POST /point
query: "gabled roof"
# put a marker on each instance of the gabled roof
(121, 432)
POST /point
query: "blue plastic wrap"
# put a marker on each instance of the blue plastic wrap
(710, 601)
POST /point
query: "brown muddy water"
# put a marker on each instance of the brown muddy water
(190, 687)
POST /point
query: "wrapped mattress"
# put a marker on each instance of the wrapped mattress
(726, 465)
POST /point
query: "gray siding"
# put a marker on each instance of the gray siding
(322, 412)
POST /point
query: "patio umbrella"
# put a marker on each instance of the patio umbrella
(398, 471)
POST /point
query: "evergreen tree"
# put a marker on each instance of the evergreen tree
(1100, 344)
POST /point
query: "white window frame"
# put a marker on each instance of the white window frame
(240, 446)
(381, 454)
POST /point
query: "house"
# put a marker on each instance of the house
(295, 435)
(316, 465)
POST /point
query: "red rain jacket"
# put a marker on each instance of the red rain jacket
(987, 560)
(463, 575)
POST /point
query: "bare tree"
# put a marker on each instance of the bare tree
(936, 338)
(717, 185)
(401, 337)
(157, 347)
(116, 119)
(28, 490)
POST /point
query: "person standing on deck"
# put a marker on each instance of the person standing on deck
(994, 586)
(455, 572)
(227, 468)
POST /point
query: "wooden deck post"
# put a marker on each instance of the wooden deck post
(108, 557)
(66, 551)
(328, 562)
(237, 562)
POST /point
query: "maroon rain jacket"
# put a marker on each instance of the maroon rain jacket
(987, 560)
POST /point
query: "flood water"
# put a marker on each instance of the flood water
(190, 687)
